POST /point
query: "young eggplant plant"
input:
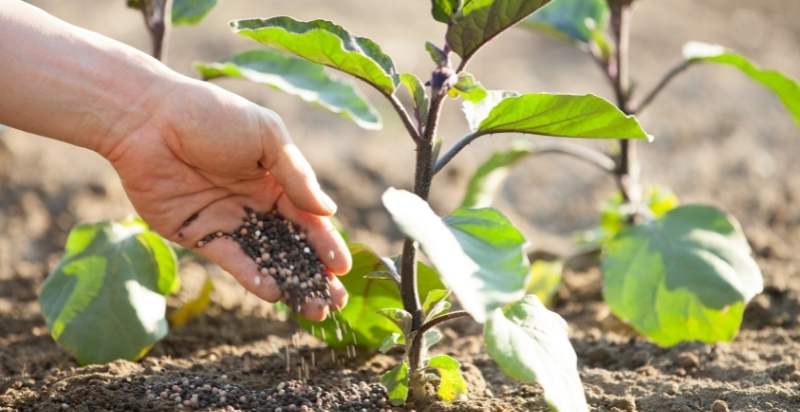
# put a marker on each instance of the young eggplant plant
(693, 260)
(477, 255)
(106, 298)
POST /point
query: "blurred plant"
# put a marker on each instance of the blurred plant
(692, 262)
(476, 253)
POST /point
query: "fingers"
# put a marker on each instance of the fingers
(288, 165)
(318, 310)
(227, 253)
(322, 235)
(225, 216)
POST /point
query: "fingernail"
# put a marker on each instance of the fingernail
(328, 202)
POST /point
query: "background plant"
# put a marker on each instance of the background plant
(693, 260)
(477, 255)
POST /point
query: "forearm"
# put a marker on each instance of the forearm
(70, 84)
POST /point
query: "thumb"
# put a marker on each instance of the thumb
(289, 167)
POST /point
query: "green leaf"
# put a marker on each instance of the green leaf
(105, 299)
(437, 55)
(478, 252)
(530, 344)
(685, 276)
(561, 115)
(432, 337)
(574, 20)
(479, 21)
(325, 43)
(399, 317)
(391, 341)
(190, 11)
(433, 297)
(545, 279)
(475, 112)
(360, 323)
(439, 308)
(613, 216)
(484, 184)
(297, 77)
(442, 9)
(418, 95)
(395, 381)
(786, 88)
(451, 382)
(468, 88)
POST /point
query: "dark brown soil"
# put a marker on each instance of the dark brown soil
(719, 140)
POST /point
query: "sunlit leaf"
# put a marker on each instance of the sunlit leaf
(530, 344)
(105, 299)
(325, 43)
(478, 252)
(479, 21)
(685, 276)
(451, 382)
(561, 115)
(786, 88)
(475, 112)
(297, 77)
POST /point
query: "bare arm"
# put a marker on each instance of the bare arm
(190, 155)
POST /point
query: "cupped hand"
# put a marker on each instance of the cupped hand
(201, 156)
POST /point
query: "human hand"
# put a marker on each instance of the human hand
(200, 157)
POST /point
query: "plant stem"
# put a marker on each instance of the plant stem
(628, 168)
(674, 71)
(420, 333)
(422, 184)
(156, 18)
(406, 118)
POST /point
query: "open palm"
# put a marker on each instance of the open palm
(191, 172)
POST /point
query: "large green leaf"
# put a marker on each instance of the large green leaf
(479, 21)
(530, 344)
(478, 252)
(325, 43)
(451, 382)
(443, 9)
(576, 20)
(190, 11)
(297, 77)
(561, 115)
(105, 299)
(488, 178)
(361, 322)
(685, 276)
(786, 88)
